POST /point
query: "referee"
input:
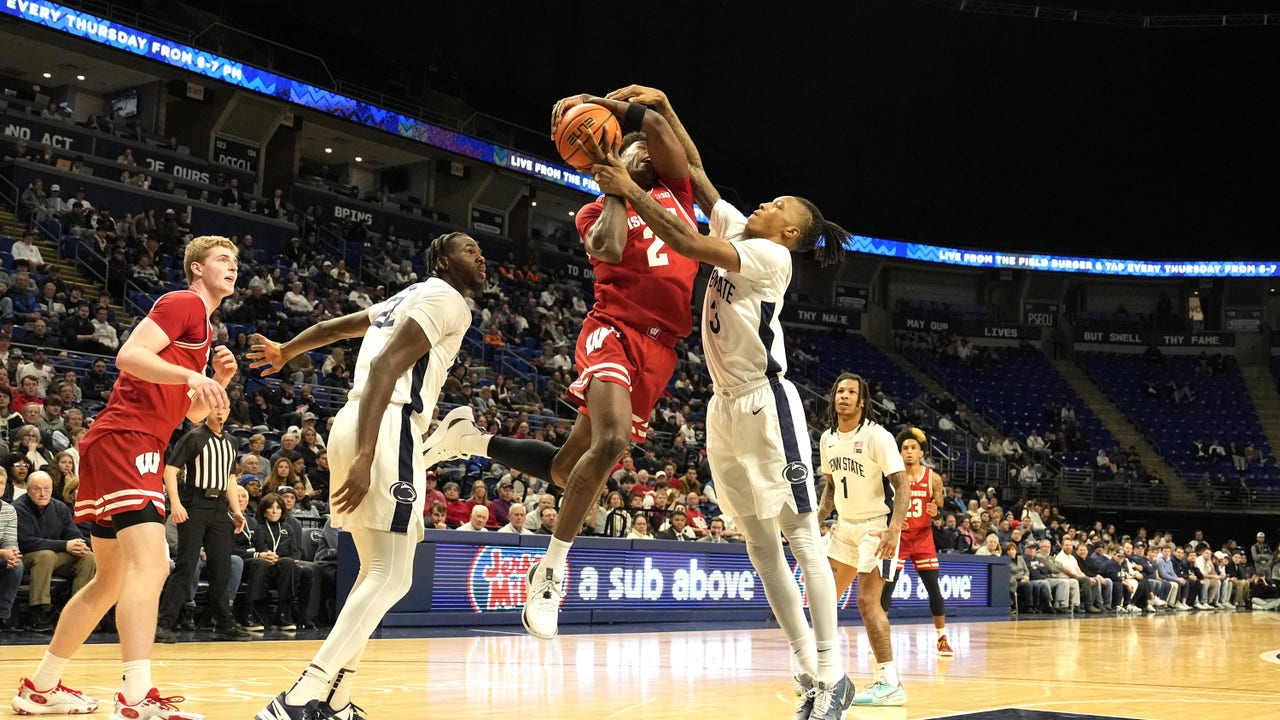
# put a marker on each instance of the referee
(201, 507)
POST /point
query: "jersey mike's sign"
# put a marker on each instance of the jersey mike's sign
(611, 576)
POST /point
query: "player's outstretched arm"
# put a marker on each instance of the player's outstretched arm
(665, 149)
(718, 251)
(272, 356)
(704, 192)
(407, 345)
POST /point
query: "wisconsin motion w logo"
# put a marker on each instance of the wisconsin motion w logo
(596, 339)
(148, 463)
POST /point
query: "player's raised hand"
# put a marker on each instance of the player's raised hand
(224, 365)
(563, 106)
(607, 168)
(265, 353)
(642, 94)
(355, 487)
(207, 391)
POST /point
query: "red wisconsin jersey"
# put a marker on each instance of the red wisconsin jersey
(140, 406)
(651, 288)
(918, 519)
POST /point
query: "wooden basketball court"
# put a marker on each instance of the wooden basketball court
(1205, 666)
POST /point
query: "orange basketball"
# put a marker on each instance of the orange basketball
(575, 125)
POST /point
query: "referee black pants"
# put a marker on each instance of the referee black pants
(208, 527)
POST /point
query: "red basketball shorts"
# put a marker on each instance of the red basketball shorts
(618, 354)
(917, 546)
(119, 472)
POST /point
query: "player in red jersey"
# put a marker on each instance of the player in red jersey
(917, 535)
(625, 350)
(161, 381)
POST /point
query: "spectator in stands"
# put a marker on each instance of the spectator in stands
(1059, 578)
(11, 567)
(96, 384)
(50, 544)
(19, 151)
(1260, 553)
(28, 393)
(1216, 452)
(31, 203)
(477, 521)
(40, 336)
(516, 522)
(126, 158)
(25, 304)
(231, 195)
(26, 249)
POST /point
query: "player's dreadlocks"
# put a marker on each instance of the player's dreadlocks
(436, 250)
(825, 239)
(833, 421)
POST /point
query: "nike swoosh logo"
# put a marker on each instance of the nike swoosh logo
(757, 411)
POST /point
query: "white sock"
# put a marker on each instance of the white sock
(942, 631)
(830, 669)
(475, 445)
(887, 672)
(314, 681)
(557, 553)
(137, 681)
(805, 657)
(50, 671)
(340, 691)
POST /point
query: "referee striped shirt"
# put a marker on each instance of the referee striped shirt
(206, 458)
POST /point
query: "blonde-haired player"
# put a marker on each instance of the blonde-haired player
(868, 486)
(917, 533)
(162, 380)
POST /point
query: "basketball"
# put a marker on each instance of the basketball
(574, 127)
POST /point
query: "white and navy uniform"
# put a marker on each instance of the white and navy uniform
(859, 464)
(757, 438)
(398, 475)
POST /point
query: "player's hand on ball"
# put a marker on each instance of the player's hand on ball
(356, 487)
(224, 364)
(265, 353)
(563, 106)
(607, 168)
(642, 94)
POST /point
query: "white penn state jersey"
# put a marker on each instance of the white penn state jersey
(442, 313)
(859, 464)
(741, 334)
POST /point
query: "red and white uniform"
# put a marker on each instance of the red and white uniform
(122, 455)
(917, 533)
(644, 304)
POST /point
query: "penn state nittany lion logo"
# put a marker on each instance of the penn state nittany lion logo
(795, 472)
(404, 492)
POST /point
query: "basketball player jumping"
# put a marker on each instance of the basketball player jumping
(868, 486)
(626, 347)
(757, 438)
(927, 495)
(161, 380)
(377, 474)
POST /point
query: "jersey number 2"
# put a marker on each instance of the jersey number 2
(657, 258)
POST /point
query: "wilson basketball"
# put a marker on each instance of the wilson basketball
(575, 125)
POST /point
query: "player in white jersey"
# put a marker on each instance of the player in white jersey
(757, 438)
(377, 472)
(865, 482)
